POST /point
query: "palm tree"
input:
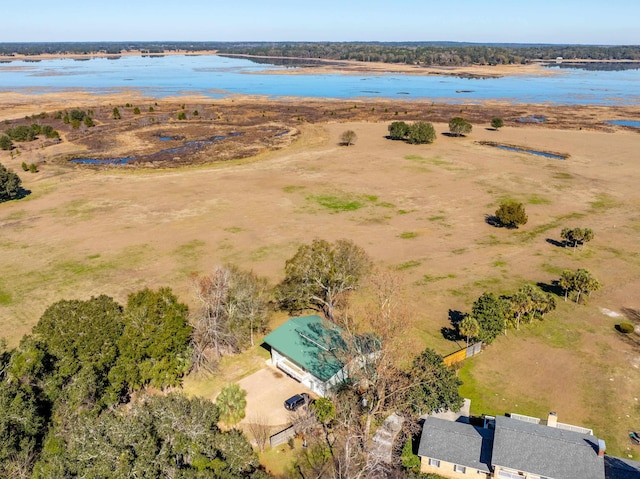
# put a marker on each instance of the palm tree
(469, 327)
(231, 403)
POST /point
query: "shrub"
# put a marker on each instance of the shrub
(626, 327)
(33, 168)
(9, 184)
(497, 123)
(77, 115)
(348, 137)
(25, 167)
(136, 111)
(22, 133)
(5, 142)
(511, 214)
(182, 116)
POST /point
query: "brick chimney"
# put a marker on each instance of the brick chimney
(602, 447)
(552, 419)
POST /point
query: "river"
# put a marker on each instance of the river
(217, 76)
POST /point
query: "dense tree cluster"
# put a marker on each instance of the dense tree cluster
(416, 133)
(29, 133)
(492, 315)
(434, 53)
(423, 53)
(65, 397)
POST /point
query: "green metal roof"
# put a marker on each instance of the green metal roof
(312, 343)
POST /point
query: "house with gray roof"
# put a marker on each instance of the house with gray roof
(516, 447)
(541, 451)
(312, 350)
(455, 449)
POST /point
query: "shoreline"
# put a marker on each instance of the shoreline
(19, 105)
(322, 66)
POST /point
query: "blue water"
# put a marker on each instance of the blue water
(526, 150)
(631, 123)
(217, 77)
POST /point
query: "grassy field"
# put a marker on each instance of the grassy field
(419, 210)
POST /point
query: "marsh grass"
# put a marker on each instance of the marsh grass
(561, 175)
(603, 202)
(293, 188)
(408, 264)
(191, 251)
(536, 199)
(436, 160)
(426, 279)
(408, 235)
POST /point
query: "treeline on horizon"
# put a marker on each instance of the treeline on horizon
(425, 53)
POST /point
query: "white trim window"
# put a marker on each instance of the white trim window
(460, 469)
(434, 462)
(502, 474)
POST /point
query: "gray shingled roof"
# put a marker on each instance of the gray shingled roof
(546, 451)
(619, 468)
(457, 443)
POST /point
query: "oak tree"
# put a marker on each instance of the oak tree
(459, 126)
(421, 132)
(321, 275)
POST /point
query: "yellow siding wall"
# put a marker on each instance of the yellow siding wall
(446, 470)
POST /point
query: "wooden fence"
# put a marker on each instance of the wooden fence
(463, 354)
(282, 436)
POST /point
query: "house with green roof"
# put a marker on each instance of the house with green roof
(311, 350)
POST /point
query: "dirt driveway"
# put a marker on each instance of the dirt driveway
(267, 390)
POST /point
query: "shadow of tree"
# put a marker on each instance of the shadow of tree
(453, 135)
(451, 333)
(22, 193)
(493, 221)
(559, 244)
(553, 288)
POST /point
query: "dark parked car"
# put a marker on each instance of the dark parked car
(294, 402)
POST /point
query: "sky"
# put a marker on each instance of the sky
(612, 22)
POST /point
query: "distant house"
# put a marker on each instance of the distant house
(311, 350)
(516, 447)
